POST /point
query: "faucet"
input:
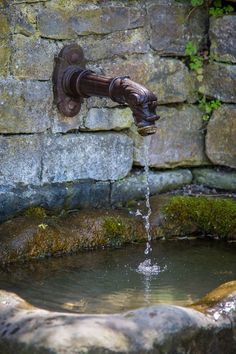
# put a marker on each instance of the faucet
(72, 82)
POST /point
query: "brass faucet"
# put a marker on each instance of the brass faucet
(72, 82)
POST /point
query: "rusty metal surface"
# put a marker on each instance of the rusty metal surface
(72, 82)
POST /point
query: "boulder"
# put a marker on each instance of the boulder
(134, 187)
(221, 136)
(100, 156)
(179, 140)
(65, 23)
(108, 119)
(25, 106)
(32, 58)
(174, 24)
(222, 35)
(219, 81)
(215, 178)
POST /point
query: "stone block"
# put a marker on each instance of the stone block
(221, 136)
(32, 58)
(20, 159)
(21, 20)
(220, 82)
(222, 35)
(168, 78)
(173, 24)
(115, 44)
(108, 119)
(134, 187)
(179, 140)
(25, 106)
(215, 178)
(60, 23)
(100, 156)
(5, 53)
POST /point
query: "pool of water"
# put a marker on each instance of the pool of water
(108, 281)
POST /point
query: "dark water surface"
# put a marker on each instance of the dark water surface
(107, 281)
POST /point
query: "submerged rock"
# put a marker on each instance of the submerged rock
(157, 329)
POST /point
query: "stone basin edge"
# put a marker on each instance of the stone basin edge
(207, 326)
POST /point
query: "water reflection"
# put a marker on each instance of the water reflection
(107, 281)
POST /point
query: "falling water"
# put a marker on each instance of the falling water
(148, 248)
(147, 268)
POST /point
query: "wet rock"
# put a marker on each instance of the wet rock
(134, 187)
(198, 216)
(61, 23)
(32, 58)
(108, 119)
(168, 78)
(221, 136)
(223, 38)
(173, 24)
(219, 82)
(215, 178)
(100, 156)
(55, 197)
(24, 238)
(161, 328)
(179, 140)
(25, 106)
(20, 159)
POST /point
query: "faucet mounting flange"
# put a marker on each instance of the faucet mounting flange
(71, 56)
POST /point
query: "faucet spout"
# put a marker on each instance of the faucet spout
(72, 82)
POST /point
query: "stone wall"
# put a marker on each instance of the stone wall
(93, 159)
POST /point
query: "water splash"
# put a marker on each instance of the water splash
(147, 268)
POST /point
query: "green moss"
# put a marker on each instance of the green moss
(208, 216)
(38, 212)
(114, 231)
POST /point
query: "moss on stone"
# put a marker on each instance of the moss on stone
(202, 215)
(114, 230)
(37, 212)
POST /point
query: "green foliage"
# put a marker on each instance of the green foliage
(202, 215)
(196, 61)
(208, 106)
(219, 10)
(197, 2)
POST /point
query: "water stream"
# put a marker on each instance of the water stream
(146, 267)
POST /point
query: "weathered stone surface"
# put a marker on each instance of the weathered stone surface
(33, 58)
(179, 140)
(20, 159)
(222, 34)
(108, 119)
(22, 238)
(25, 106)
(21, 21)
(59, 23)
(162, 328)
(63, 124)
(100, 156)
(168, 78)
(54, 197)
(221, 136)
(173, 24)
(134, 187)
(215, 178)
(220, 82)
(117, 43)
(4, 44)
